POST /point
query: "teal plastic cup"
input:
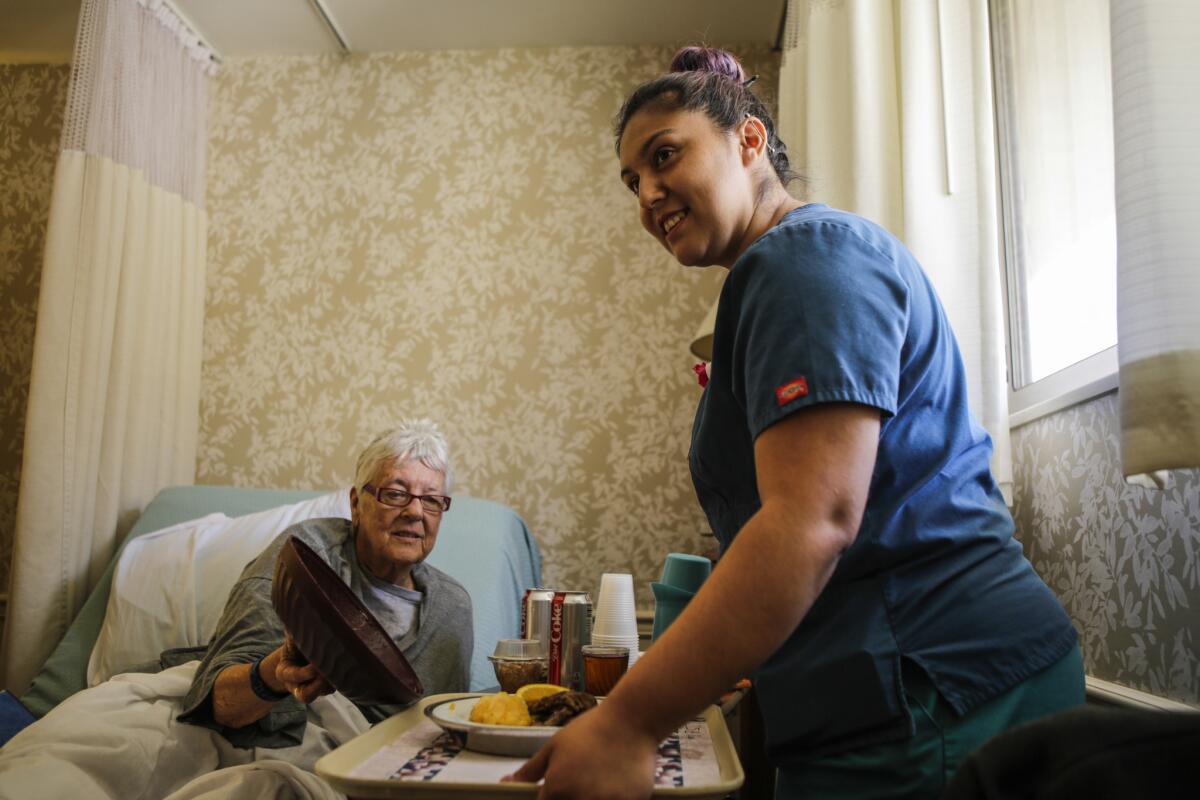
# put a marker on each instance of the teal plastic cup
(669, 602)
(685, 571)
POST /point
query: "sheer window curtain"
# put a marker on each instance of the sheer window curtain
(886, 106)
(113, 409)
(1156, 121)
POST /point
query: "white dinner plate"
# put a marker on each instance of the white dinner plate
(502, 740)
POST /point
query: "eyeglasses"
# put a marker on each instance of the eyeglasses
(399, 498)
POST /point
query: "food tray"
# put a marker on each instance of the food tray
(408, 756)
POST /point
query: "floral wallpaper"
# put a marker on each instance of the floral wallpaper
(445, 234)
(1124, 560)
(32, 99)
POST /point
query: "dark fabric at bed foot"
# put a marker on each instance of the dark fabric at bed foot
(1091, 752)
(13, 717)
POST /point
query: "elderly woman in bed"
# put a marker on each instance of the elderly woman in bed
(250, 688)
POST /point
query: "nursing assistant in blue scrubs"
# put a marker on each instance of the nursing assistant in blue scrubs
(829, 307)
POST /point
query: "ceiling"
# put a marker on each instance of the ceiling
(33, 30)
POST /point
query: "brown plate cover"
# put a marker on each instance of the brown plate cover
(336, 632)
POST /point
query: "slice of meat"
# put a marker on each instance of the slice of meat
(558, 709)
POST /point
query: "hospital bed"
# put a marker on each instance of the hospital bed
(165, 589)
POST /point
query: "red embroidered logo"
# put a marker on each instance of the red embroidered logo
(791, 390)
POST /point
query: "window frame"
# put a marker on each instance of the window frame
(1091, 377)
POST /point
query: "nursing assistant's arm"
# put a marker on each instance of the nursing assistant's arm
(814, 468)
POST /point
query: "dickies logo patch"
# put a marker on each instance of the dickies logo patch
(791, 390)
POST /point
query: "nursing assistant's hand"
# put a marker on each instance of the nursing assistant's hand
(298, 676)
(596, 755)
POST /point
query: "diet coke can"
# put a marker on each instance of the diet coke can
(570, 630)
(563, 621)
(535, 615)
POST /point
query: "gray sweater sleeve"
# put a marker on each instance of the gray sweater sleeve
(248, 630)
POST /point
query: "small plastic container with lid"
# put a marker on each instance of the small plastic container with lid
(518, 662)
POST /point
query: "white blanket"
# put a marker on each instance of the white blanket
(120, 740)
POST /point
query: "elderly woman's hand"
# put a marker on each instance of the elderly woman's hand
(298, 676)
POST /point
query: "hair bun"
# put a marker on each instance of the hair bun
(708, 59)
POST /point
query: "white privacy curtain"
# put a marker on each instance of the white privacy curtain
(113, 407)
(886, 107)
(1156, 122)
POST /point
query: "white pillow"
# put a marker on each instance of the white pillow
(170, 586)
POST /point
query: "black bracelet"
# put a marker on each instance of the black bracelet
(259, 686)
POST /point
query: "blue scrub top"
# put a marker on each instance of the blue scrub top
(829, 307)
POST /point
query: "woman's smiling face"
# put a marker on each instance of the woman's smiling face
(694, 188)
(390, 541)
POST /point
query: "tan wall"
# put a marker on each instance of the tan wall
(32, 99)
(444, 234)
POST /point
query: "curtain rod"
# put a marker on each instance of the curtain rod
(186, 20)
(782, 27)
(322, 12)
(330, 25)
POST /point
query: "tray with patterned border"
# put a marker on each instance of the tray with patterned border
(339, 767)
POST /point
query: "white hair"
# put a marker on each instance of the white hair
(417, 439)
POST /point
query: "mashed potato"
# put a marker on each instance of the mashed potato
(501, 709)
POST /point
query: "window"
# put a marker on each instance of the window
(1053, 90)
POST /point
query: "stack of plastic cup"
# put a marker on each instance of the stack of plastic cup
(615, 621)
